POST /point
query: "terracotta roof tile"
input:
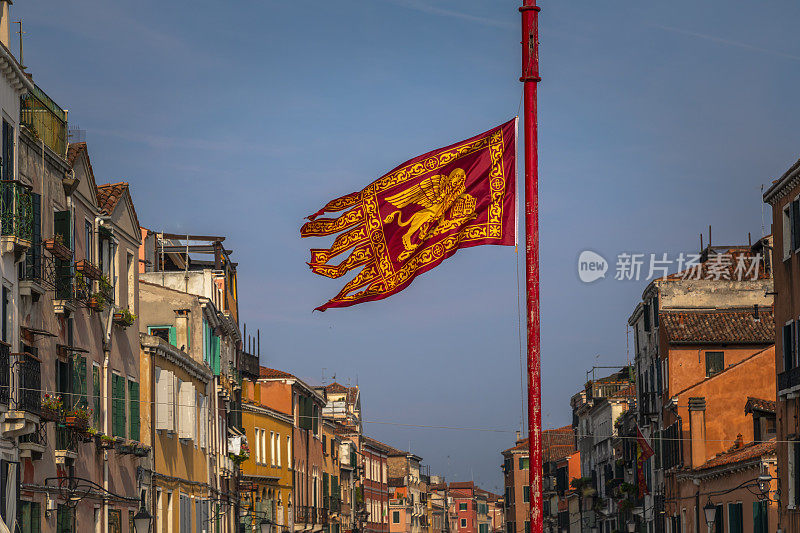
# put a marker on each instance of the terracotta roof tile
(109, 195)
(733, 326)
(73, 150)
(271, 373)
(746, 452)
(759, 404)
(559, 439)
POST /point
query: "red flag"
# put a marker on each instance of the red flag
(419, 214)
(643, 452)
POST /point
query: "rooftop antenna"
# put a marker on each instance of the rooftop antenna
(21, 33)
(709, 236)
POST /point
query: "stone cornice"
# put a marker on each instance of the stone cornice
(158, 347)
(787, 182)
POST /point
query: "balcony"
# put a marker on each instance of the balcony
(333, 504)
(46, 120)
(33, 445)
(37, 274)
(16, 217)
(66, 448)
(26, 401)
(788, 380)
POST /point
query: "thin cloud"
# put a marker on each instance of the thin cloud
(730, 43)
(427, 8)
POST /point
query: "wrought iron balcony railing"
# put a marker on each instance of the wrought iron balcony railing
(5, 373)
(28, 394)
(45, 119)
(788, 379)
(16, 210)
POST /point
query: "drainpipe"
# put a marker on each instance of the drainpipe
(106, 360)
(153, 502)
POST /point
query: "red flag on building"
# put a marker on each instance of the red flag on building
(643, 453)
(419, 214)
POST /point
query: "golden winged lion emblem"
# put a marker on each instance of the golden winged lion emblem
(437, 195)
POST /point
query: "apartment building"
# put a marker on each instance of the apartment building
(375, 486)
(736, 278)
(287, 393)
(783, 197)
(266, 484)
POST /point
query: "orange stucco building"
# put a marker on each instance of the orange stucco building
(714, 363)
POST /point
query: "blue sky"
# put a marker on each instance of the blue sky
(240, 118)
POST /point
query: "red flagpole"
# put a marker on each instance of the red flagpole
(530, 78)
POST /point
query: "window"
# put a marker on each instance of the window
(8, 151)
(117, 405)
(526, 493)
(289, 451)
(165, 399)
(523, 463)
(88, 233)
(133, 409)
(7, 317)
(527, 526)
(96, 395)
(788, 346)
(760, 520)
(185, 519)
(462, 506)
(787, 231)
(715, 363)
(63, 519)
(272, 447)
(463, 522)
(164, 332)
(79, 380)
(277, 449)
(794, 474)
(735, 524)
(131, 271)
(31, 517)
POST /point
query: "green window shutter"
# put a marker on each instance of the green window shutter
(118, 405)
(215, 362)
(324, 484)
(133, 409)
(188, 337)
(315, 415)
(96, 396)
(62, 225)
(173, 338)
(79, 381)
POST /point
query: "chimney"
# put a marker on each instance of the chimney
(697, 430)
(181, 327)
(5, 23)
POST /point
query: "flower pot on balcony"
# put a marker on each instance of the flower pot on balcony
(88, 269)
(76, 423)
(141, 451)
(57, 249)
(96, 303)
(48, 414)
(125, 448)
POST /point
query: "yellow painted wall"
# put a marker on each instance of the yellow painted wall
(264, 464)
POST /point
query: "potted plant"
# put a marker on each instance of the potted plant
(140, 450)
(88, 269)
(78, 418)
(51, 408)
(97, 302)
(124, 447)
(105, 442)
(124, 317)
(244, 455)
(106, 288)
(57, 248)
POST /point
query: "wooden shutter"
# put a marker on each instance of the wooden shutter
(187, 408)
(133, 409)
(118, 405)
(173, 337)
(96, 392)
